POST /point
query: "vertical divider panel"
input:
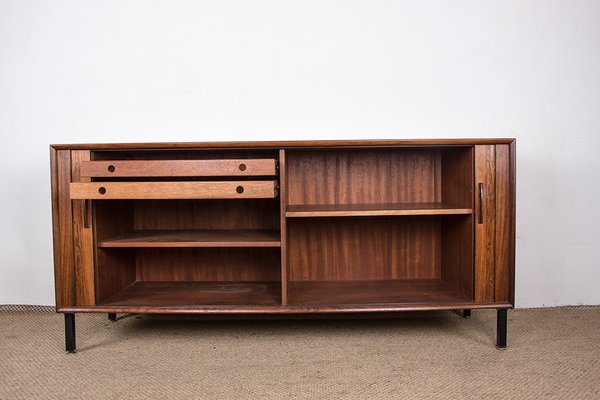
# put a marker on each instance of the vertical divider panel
(64, 273)
(283, 234)
(83, 238)
(485, 229)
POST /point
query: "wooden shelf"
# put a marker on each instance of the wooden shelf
(408, 291)
(183, 294)
(364, 210)
(196, 238)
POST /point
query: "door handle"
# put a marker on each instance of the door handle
(480, 204)
(86, 213)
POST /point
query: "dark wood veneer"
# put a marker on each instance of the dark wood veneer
(296, 227)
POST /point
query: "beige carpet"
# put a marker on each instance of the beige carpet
(553, 353)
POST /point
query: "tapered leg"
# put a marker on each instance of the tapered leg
(466, 313)
(70, 333)
(112, 316)
(501, 323)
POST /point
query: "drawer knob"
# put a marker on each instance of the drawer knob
(239, 189)
(242, 167)
(101, 190)
(111, 168)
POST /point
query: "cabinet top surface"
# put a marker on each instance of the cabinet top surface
(285, 144)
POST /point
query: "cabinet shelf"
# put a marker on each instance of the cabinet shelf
(393, 291)
(182, 294)
(367, 210)
(195, 238)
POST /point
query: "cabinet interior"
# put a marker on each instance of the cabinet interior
(363, 226)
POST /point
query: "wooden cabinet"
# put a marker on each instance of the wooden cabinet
(284, 227)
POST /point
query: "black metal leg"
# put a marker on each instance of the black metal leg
(70, 333)
(502, 319)
(466, 313)
(112, 316)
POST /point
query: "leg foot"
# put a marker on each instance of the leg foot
(466, 313)
(112, 316)
(501, 322)
(70, 333)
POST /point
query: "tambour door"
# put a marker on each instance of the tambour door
(494, 223)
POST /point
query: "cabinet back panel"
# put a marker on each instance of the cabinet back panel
(208, 264)
(207, 214)
(363, 248)
(365, 176)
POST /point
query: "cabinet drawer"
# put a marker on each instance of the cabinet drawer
(174, 190)
(168, 168)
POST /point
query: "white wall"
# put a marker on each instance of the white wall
(149, 70)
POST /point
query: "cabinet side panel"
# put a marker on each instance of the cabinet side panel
(485, 174)
(64, 272)
(83, 239)
(504, 222)
(457, 253)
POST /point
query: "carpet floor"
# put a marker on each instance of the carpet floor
(552, 354)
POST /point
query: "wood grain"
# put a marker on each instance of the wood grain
(373, 176)
(365, 210)
(174, 190)
(64, 269)
(283, 197)
(365, 248)
(286, 144)
(205, 214)
(115, 268)
(457, 177)
(171, 168)
(457, 254)
(289, 309)
(83, 237)
(503, 225)
(196, 238)
(457, 232)
(165, 294)
(427, 253)
(485, 173)
(373, 292)
(208, 264)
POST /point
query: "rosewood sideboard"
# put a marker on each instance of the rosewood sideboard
(291, 227)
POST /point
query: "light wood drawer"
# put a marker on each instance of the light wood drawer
(168, 168)
(174, 190)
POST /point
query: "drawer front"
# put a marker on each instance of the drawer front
(174, 190)
(168, 168)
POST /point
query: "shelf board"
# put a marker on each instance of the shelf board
(196, 238)
(365, 210)
(184, 294)
(409, 291)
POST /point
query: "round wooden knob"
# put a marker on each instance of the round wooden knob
(101, 190)
(242, 167)
(111, 168)
(239, 189)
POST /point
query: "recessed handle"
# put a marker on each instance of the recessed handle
(480, 204)
(86, 213)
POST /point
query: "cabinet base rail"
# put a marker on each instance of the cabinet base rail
(501, 328)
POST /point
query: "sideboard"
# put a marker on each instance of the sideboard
(290, 227)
